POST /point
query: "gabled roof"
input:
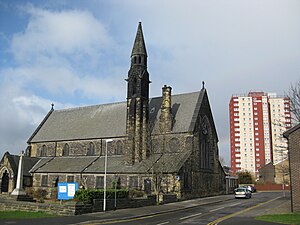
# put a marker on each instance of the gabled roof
(13, 160)
(109, 120)
(165, 163)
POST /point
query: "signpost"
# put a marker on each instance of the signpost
(66, 191)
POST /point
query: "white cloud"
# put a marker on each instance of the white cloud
(56, 55)
(61, 52)
(52, 33)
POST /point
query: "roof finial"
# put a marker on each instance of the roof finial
(52, 106)
(203, 83)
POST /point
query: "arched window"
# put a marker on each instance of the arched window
(119, 148)
(66, 150)
(206, 145)
(140, 59)
(91, 149)
(43, 151)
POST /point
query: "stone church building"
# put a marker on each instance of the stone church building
(167, 144)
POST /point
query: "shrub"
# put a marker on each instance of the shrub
(245, 178)
(40, 194)
(29, 191)
(53, 194)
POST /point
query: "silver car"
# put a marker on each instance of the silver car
(242, 193)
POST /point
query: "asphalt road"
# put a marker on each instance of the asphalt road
(226, 211)
(207, 213)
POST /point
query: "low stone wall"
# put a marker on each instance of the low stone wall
(97, 206)
(73, 208)
(51, 208)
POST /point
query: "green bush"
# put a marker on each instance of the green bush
(87, 196)
(54, 194)
(40, 194)
(245, 178)
(29, 191)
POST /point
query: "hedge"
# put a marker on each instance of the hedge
(88, 195)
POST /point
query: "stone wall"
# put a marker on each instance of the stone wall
(294, 147)
(79, 147)
(65, 209)
(74, 208)
(121, 203)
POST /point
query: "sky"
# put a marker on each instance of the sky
(77, 53)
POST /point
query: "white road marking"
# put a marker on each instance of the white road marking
(186, 217)
(163, 223)
(234, 204)
(216, 209)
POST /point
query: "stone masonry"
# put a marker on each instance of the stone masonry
(293, 136)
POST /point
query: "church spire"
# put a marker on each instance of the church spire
(139, 47)
(137, 132)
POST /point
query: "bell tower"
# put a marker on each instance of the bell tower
(137, 102)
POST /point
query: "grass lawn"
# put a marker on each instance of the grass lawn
(292, 218)
(23, 215)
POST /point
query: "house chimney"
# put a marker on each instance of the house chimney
(166, 118)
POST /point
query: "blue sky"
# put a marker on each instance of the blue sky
(76, 53)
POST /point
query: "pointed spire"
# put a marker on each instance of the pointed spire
(139, 47)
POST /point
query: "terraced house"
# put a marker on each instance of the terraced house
(164, 144)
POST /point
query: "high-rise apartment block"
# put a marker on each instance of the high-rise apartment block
(257, 122)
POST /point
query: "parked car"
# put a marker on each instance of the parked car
(253, 188)
(242, 192)
(250, 188)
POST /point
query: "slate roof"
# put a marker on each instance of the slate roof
(166, 163)
(109, 120)
(287, 133)
(63, 164)
(28, 163)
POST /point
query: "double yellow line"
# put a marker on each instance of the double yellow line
(240, 212)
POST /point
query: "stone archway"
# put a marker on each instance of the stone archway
(5, 182)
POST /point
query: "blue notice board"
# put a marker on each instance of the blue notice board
(66, 191)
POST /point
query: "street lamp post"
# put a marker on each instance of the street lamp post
(116, 181)
(105, 171)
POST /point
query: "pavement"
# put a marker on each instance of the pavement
(282, 206)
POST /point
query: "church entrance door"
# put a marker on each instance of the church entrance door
(5, 182)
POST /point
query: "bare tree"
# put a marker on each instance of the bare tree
(294, 95)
